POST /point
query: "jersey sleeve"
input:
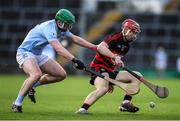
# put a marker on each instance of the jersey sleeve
(107, 40)
(111, 40)
(50, 34)
(66, 34)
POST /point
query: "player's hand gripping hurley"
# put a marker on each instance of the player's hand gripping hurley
(161, 92)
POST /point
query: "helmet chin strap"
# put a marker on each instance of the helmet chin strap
(62, 25)
(125, 34)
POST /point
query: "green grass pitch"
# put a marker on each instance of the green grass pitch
(59, 101)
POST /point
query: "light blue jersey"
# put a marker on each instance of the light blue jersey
(40, 36)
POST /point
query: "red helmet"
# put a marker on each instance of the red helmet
(131, 24)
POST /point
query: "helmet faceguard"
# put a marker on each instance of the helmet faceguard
(130, 26)
(64, 26)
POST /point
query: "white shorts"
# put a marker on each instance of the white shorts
(22, 56)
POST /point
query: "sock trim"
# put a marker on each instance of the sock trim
(85, 106)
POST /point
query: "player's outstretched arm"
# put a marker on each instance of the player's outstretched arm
(82, 42)
(103, 48)
(66, 54)
(61, 50)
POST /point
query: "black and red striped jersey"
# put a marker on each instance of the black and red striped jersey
(117, 45)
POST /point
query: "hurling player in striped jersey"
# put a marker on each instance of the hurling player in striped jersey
(108, 56)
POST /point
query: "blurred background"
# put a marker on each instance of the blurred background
(155, 52)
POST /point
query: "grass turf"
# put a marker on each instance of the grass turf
(59, 101)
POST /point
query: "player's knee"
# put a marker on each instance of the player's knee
(61, 76)
(136, 91)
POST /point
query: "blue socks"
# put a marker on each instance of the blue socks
(19, 100)
(37, 84)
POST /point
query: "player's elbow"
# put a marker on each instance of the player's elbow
(99, 48)
(102, 47)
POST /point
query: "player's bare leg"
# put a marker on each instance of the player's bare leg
(55, 73)
(32, 69)
(102, 87)
(125, 77)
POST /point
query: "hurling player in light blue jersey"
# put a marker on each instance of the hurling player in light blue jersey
(35, 64)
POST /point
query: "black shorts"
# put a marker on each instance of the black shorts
(101, 70)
